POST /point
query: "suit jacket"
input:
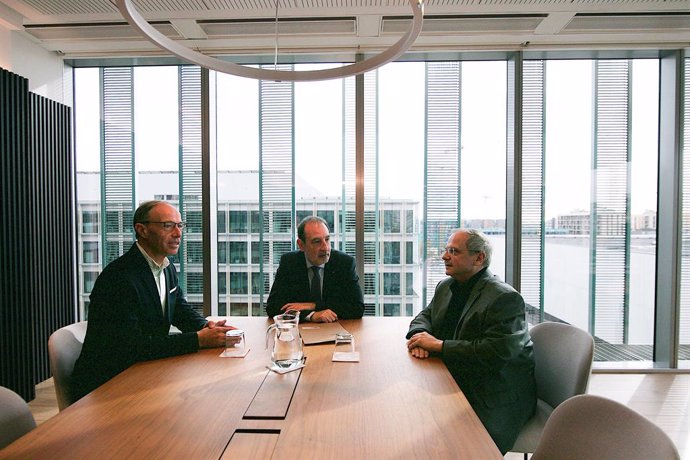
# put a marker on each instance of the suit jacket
(126, 322)
(341, 292)
(490, 355)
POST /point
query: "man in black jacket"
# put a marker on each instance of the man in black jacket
(318, 281)
(135, 300)
(476, 324)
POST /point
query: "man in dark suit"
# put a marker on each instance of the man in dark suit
(476, 324)
(135, 300)
(318, 281)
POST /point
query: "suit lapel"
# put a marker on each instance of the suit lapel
(171, 289)
(301, 273)
(328, 272)
(443, 302)
(154, 299)
(474, 295)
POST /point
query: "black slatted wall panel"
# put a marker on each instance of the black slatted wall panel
(15, 336)
(52, 223)
(36, 241)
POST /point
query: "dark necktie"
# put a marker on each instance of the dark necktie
(316, 285)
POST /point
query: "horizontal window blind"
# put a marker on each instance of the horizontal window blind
(610, 230)
(442, 163)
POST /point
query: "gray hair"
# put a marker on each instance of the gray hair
(477, 242)
(304, 222)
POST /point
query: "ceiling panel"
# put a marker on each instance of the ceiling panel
(467, 24)
(220, 29)
(599, 23)
(95, 28)
(69, 7)
(103, 31)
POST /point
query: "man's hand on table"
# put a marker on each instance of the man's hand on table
(423, 343)
(213, 334)
(323, 316)
(298, 306)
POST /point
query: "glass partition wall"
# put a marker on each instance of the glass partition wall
(440, 149)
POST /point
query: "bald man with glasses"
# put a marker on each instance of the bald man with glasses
(135, 300)
(476, 323)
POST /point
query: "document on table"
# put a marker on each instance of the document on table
(320, 332)
(346, 357)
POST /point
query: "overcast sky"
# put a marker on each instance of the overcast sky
(318, 131)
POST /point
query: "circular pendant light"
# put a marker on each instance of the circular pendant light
(396, 50)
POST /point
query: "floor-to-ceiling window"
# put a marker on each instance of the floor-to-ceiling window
(435, 144)
(127, 152)
(600, 201)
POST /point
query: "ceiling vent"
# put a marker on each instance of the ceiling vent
(474, 24)
(632, 22)
(94, 31)
(230, 29)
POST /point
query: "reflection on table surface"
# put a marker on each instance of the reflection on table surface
(387, 405)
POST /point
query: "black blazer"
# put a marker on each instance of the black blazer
(490, 355)
(126, 323)
(341, 292)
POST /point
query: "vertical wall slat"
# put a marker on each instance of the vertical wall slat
(16, 371)
(35, 207)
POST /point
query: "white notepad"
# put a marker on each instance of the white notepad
(347, 357)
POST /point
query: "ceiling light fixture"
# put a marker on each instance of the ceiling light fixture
(396, 50)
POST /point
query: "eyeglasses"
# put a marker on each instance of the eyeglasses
(455, 251)
(169, 225)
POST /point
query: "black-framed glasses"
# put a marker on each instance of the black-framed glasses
(168, 225)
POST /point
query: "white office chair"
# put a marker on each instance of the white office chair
(595, 428)
(15, 417)
(64, 347)
(563, 361)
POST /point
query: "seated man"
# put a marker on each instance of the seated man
(330, 293)
(476, 324)
(135, 300)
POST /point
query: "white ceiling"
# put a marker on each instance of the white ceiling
(95, 28)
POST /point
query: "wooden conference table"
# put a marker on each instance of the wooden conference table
(200, 406)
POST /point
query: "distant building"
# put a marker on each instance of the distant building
(247, 260)
(609, 223)
(576, 223)
(644, 221)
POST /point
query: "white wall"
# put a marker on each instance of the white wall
(5, 48)
(45, 70)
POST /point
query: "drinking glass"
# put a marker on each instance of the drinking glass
(234, 343)
(344, 343)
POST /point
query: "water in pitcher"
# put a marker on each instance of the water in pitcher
(287, 342)
(287, 350)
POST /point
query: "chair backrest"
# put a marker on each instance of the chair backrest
(563, 361)
(596, 428)
(64, 347)
(15, 417)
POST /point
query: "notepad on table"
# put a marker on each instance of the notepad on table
(320, 332)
